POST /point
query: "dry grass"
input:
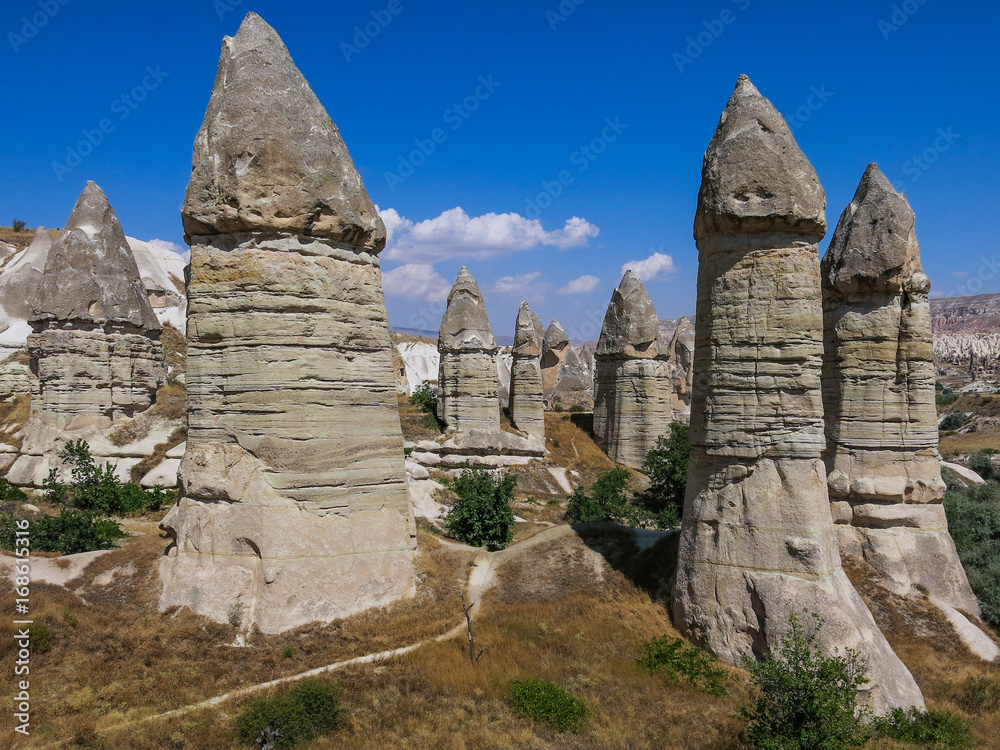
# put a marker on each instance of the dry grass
(14, 413)
(21, 239)
(982, 439)
(170, 406)
(415, 422)
(174, 348)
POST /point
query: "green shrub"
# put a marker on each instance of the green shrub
(804, 699)
(929, 729)
(974, 522)
(607, 500)
(41, 637)
(98, 488)
(74, 531)
(981, 463)
(425, 396)
(482, 515)
(979, 695)
(576, 408)
(946, 398)
(18, 225)
(548, 703)
(674, 658)
(667, 467)
(558, 408)
(954, 421)
(11, 494)
(309, 709)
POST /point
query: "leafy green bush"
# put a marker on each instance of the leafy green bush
(482, 515)
(74, 531)
(804, 699)
(674, 658)
(576, 408)
(979, 695)
(309, 709)
(981, 463)
(607, 499)
(974, 522)
(98, 487)
(548, 703)
(954, 421)
(11, 494)
(930, 729)
(18, 225)
(425, 396)
(667, 467)
(945, 397)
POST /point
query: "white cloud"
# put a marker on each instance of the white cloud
(454, 235)
(582, 285)
(656, 266)
(507, 284)
(415, 281)
(959, 273)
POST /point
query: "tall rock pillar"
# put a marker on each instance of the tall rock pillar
(468, 384)
(631, 383)
(878, 391)
(293, 500)
(757, 541)
(527, 407)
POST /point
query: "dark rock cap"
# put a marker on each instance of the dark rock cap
(631, 328)
(91, 275)
(525, 341)
(268, 158)
(874, 248)
(555, 337)
(755, 179)
(465, 325)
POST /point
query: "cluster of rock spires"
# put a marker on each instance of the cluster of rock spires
(567, 379)
(293, 493)
(95, 355)
(965, 333)
(527, 403)
(757, 541)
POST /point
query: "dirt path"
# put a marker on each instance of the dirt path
(481, 579)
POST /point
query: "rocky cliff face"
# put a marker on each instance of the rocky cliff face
(293, 492)
(565, 378)
(878, 391)
(631, 387)
(757, 542)
(468, 397)
(967, 333)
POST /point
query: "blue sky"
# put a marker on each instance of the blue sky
(606, 106)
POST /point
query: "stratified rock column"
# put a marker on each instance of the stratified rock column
(757, 541)
(631, 386)
(293, 492)
(468, 384)
(95, 352)
(565, 379)
(878, 388)
(681, 359)
(527, 407)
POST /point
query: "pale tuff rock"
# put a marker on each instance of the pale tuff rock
(631, 381)
(966, 332)
(22, 277)
(293, 489)
(878, 388)
(565, 380)
(468, 395)
(527, 406)
(680, 356)
(162, 273)
(422, 361)
(539, 329)
(757, 541)
(94, 354)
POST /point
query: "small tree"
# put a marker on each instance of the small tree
(425, 396)
(18, 225)
(482, 515)
(667, 467)
(607, 499)
(805, 700)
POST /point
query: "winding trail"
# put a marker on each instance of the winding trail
(481, 579)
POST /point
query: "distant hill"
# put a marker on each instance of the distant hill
(966, 315)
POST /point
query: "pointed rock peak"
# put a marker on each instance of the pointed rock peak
(91, 275)
(525, 341)
(874, 248)
(555, 337)
(755, 178)
(40, 243)
(465, 325)
(268, 158)
(631, 328)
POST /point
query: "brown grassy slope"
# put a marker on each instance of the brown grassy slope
(14, 413)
